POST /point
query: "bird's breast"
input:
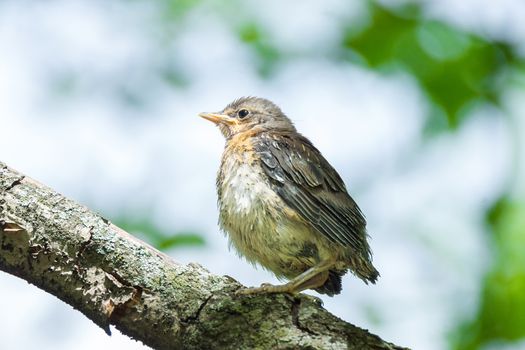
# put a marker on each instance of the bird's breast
(249, 210)
(244, 190)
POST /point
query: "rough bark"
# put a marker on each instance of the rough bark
(115, 279)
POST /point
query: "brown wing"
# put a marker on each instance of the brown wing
(305, 180)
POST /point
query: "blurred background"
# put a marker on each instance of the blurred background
(420, 105)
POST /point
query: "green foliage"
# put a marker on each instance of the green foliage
(175, 10)
(266, 55)
(160, 239)
(453, 67)
(180, 239)
(501, 315)
(456, 69)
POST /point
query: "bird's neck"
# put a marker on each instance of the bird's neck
(243, 136)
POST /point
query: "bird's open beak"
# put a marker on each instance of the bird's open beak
(218, 118)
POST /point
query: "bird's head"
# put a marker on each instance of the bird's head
(249, 114)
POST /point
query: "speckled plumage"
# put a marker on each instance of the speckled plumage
(281, 203)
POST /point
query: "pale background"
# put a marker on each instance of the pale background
(99, 100)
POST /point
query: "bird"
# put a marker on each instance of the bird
(283, 206)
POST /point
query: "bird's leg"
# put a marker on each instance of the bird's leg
(314, 277)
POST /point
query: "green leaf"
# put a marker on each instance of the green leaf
(454, 68)
(501, 313)
(159, 238)
(266, 53)
(181, 239)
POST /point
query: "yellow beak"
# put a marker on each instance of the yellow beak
(218, 118)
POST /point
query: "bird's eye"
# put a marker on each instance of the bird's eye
(243, 113)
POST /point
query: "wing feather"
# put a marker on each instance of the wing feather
(305, 180)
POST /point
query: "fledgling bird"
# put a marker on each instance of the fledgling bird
(283, 205)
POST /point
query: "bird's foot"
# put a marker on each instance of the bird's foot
(267, 288)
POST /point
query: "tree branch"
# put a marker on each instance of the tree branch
(115, 279)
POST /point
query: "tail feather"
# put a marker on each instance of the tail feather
(362, 267)
(372, 276)
(367, 272)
